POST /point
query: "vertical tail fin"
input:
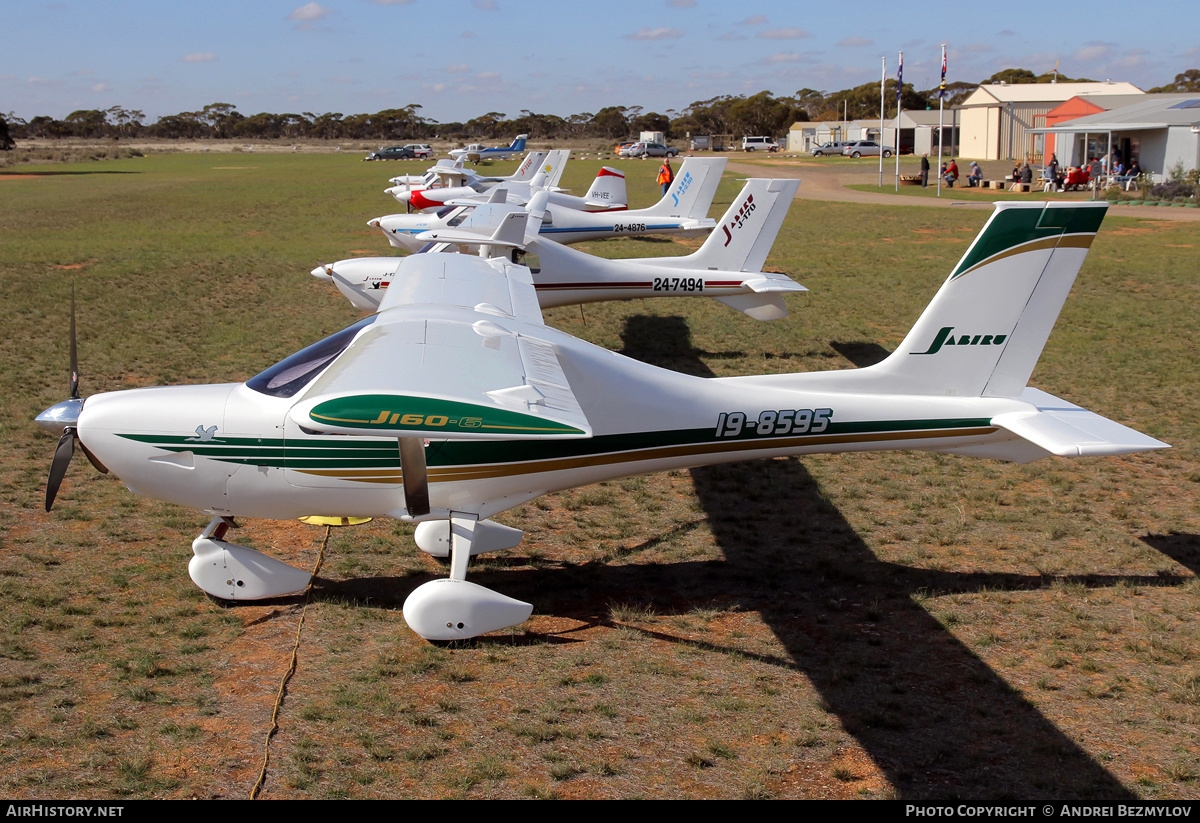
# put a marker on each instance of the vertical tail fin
(693, 190)
(528, 168)
(608, 189)
(519, 143)
(554, 165)
(744, 236)
(984, 330)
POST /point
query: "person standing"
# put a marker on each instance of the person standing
(925, 171)
(666, 175)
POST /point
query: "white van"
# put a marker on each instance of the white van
(759, 144)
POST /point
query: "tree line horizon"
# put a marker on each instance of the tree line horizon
(761, 113)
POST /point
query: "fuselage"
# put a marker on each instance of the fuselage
(563, 225)
(233, 450)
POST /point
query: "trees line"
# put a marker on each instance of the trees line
(760, 113)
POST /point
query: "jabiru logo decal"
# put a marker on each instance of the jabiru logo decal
(945, 337)
(739, 220)
(684, 183)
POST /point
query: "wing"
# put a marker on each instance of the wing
(454, 353)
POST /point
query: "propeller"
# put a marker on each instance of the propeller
(64, 417)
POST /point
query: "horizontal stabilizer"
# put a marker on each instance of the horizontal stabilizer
(1066, 430)
(771, 282)
(757, 306)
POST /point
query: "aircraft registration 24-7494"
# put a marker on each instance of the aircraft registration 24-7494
(455, 402)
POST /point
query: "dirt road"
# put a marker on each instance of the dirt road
(827, 181)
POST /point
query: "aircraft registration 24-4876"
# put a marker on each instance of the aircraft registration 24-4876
(455, 402)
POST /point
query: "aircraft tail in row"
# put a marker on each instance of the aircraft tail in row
(983, 332)
(692, 191)
(607, 190)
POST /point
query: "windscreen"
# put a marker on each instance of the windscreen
(293, 373)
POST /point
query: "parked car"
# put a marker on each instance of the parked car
(392, 153)
(420, 150)
(759, 144)
(644, 150)
(620, 147)
(866, 148)
(834, 147)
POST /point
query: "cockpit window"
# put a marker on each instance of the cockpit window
(442, 212)
(293, 373)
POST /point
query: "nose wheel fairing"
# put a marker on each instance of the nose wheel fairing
(232, 572)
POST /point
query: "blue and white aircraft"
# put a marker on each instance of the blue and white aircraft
(476, 152)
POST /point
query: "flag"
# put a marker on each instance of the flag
(942, 87)
(899, 80)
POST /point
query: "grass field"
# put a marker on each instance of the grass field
(877, 625)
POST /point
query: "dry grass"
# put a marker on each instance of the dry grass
(882, 625)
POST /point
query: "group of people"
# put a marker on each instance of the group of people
(1096, 168)
(1022, 173)
(949, 173)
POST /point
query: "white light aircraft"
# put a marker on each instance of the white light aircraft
(456, 183)
(683, 210)
(476, 151)
(727, 267)
(607, 192)
(455, 402)
(431, 177)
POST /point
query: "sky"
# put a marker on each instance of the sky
(458, 59)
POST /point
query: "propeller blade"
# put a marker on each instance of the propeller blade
(345, 285)
(58, 467)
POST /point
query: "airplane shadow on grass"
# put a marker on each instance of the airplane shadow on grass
(930, 713)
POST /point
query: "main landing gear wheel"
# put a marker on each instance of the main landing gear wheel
(453, 608)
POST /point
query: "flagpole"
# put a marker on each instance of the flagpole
(882, 85)
(941, 111)
(899, 89)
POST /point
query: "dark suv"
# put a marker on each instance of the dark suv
(392, 153)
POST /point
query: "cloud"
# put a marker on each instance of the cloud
(392, 2)
(729, 35)
(646, 33)
(486, 5)
(681, 4)
(1094, 51)
(975, 48)
(782, 34)
(309, 12)
(786, 57)
(100, 87)
(856, 42)
(755, 20)
(457, 68)
(199, 57)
